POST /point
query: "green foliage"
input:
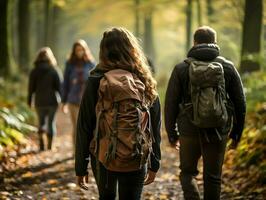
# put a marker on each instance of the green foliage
(13, 92)
(12, 129)
(14, 113)
(255, 87)
(15, 120)
(249, 161)
(255, 57)
(251, 152)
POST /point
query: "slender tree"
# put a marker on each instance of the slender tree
(38, 24)
(55, 29)
(210, 11)
(149, 48)
(252, 35)
(24, 34)
(189, 25)
(199, 12)
(4, 39)
(47, 22)
(137, 18)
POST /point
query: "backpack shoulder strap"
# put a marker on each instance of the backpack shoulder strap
(188, 60)
(220, 59)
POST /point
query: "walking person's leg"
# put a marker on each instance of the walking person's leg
(130, 184)
(41, 113)
(73, 109)
(213, 157)
(106, 181)
(190, 153)
(51, 126)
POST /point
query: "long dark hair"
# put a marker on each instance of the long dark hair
(88, 57)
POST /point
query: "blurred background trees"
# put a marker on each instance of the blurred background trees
(5, 37)
(165, 28)
(24, 40)
(251, 55)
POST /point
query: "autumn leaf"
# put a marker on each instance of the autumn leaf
(52, 181)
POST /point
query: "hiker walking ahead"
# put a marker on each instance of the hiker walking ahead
(120, 120)
(44, 84)
(205, 100)
(76, 73)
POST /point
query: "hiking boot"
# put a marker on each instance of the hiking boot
(50, 141)
(41, 142)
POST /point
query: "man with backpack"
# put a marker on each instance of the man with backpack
(204, 104)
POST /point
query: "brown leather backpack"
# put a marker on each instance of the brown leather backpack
(122, 138)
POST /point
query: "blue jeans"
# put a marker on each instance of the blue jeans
(47, 113)
(130, 184)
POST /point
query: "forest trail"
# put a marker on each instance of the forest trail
(50, 174)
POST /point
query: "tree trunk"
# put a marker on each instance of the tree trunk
(4, 39)
(137, 19)
(210, 11)
(39, 24)
(55, 30)
(149, 48)
(199, 12)
(189, 25)
(47, 22)
(23, 36)
(251, 38)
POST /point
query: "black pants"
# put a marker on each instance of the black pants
(130, 184)
(212, 149)
(49, 114)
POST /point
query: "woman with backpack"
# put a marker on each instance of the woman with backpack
(76, 73)
(44, 84)
(120, 119)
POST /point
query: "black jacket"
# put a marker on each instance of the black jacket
(177, 94)
(87, 122)
(45, 83)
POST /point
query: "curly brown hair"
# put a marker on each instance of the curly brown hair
(119, 48)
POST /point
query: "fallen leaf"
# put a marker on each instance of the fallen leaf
(27, 175)
(71, 185)
(52, 181)
(54, 189)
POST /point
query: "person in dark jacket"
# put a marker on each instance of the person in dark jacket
(192, 141)
(77, 69)
(119, 49)
(44, 84)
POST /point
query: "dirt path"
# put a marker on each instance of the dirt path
(50, 174)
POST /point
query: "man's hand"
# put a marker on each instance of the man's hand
(175, 145)
(233, 144)
(81, 183)
(149, 177)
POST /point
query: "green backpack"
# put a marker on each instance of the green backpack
(208, 95)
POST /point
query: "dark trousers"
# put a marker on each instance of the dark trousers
(46, 116)
(47, 113)
(212, 149)
(130, 184)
